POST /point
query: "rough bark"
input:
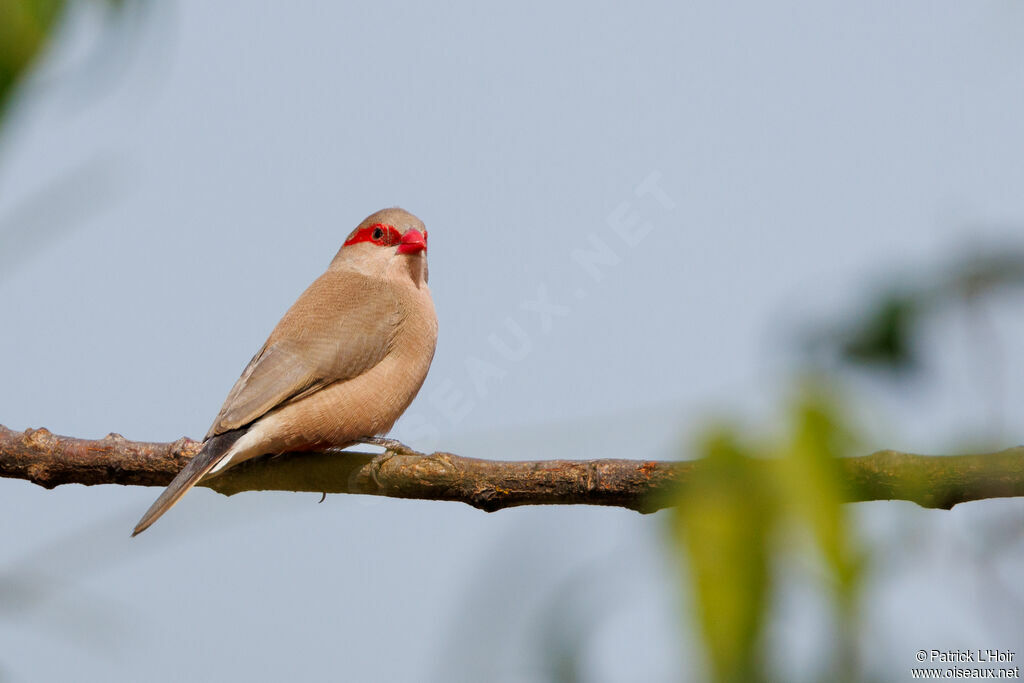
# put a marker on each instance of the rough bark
(50, 460)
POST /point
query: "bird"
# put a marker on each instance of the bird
(340, 367)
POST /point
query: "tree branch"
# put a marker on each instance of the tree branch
(49, 460)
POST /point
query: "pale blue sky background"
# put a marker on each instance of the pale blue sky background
(169, 187)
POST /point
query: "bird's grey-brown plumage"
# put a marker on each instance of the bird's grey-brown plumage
(314, 346)
(342, 364)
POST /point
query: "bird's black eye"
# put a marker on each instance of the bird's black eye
(377, 233)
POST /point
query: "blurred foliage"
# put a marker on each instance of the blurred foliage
(883, 335)
(733, 520)
(26, 28)
(723, 524)
(64, 201)
(731, 517)
(812, 483)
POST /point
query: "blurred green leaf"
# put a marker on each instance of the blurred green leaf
(722, 525)
(813, 486)
(727, 524)
(885, 334)
(25, 28)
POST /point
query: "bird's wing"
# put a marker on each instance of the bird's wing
(339, 328)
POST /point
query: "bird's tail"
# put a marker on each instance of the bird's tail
(213, 451)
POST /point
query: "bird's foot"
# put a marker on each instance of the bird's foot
(392, 445)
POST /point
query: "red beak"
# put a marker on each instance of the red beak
(412, 241)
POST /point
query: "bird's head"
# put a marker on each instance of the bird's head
(386, 240)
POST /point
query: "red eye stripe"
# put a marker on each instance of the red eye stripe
(388, 235)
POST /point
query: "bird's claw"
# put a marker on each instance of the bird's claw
(392, 445)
